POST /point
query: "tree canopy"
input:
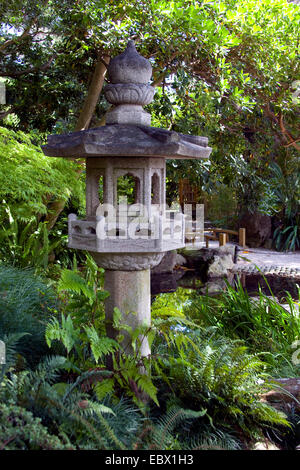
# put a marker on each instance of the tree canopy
(227, 70)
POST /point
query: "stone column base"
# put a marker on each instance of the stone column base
(130, 293)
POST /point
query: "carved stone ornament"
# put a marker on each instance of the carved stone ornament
(129, 67)
(129, 75)
(132, 93)
(127, 261)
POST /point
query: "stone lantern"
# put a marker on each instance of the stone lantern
(127, 238)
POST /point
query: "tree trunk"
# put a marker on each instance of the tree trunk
(92, 97)
(83, 122)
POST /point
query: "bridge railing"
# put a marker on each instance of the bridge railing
(222, 235)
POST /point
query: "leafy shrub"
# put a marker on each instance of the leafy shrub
(264, 325)
(286, 187)
(60, 407)
(29, 179)
(20, 430)
(29, 183)
(218, 377)
(26, 303)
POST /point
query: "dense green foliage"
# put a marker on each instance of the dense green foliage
(228, 70)
(19, 430)
(262, 323)
(26, 304)
(220, 378)
(203, 385)
(29, 182)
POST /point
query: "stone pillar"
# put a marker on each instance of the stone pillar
(130, 293)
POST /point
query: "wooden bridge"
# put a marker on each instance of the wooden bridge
(216, 234)
(222, 235)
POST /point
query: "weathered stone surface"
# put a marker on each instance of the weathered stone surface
(167, 264)
(129, 94)
(211, 261)
(197, 258)
(129, 73)
(127, 261)
(268, 244)
(220, 265)
(129, 67)
(130, 293)
(258, 228)
(126, 140)
(180, 260)
(125, 114)
(288, 394)
(213, 287)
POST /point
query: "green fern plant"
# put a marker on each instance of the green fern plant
(86, 349)
(26, 304)
(20, 430)
(265, 326)
(29, 183)
(220, 376)
(79, 339)
(83, 293)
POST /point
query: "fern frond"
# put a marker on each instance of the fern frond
(100, 346)
(72, 281)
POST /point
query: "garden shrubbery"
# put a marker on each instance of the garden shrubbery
(203, 382)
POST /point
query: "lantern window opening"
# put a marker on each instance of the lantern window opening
(128, 189)
(155, 189)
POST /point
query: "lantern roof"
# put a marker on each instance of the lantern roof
(121, 140)
(128, 131)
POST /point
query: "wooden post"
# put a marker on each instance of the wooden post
(242, 237)
(206, 242)
(222, 239)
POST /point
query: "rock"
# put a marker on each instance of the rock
(258, 228)
(213, 262)
(228, 250)
(218, 285)
(167, 264)
(283, 398)
(220, 265)
(180, 260)
(268, 244)
(266, 445)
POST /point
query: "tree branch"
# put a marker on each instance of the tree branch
(83, 122)
(158, 81)
(25, 33)
(3, 114)
(18, 73)
(94, 91)
(290, 139)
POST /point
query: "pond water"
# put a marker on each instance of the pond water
(188, 279)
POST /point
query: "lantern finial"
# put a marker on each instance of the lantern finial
(129, 74)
